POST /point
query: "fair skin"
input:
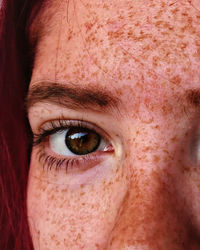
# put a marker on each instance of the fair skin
(133, 65)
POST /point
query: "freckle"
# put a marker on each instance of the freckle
(52, 197)
(119, 92)
(184, 45)
(82, 185)
(173, 139)
(156, 159)
(88, 26)
(117, 170)
(197, 53)
(78, 236)
(165, 151)
(63, 228)
(117, 179)
(53, 237)
(65, 242)
(166, 109)
(83, 204)
(174, 11)
(185, 168)
(186, 133)
(146, 149)
(155, 61)
(82, 193)
(122, 174)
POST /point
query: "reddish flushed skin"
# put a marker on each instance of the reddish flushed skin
(145, 195)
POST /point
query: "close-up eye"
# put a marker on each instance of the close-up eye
(77, 141)
(70, 144)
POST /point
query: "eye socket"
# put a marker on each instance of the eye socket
(77, 141)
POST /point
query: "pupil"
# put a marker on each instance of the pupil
(82, 141)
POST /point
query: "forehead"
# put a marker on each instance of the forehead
(140, 45)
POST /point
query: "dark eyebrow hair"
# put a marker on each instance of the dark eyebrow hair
(94, 98)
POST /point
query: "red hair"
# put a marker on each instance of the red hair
(15, 143)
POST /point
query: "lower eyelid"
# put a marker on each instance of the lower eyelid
(71, 164)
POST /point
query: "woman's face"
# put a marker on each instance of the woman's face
(114, 103)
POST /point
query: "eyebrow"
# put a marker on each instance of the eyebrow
(93, 98)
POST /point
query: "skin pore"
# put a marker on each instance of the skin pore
(130, 71)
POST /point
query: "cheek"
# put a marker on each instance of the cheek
(62, 216)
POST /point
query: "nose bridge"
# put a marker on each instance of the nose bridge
(151, 215)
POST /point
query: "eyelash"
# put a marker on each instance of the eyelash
(50, 161)
(55, 126)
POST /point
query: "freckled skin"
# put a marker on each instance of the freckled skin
(147, 195)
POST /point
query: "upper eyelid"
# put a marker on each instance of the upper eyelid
(76, 122)
(62, 124)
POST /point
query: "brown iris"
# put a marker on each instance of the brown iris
(82, 141)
